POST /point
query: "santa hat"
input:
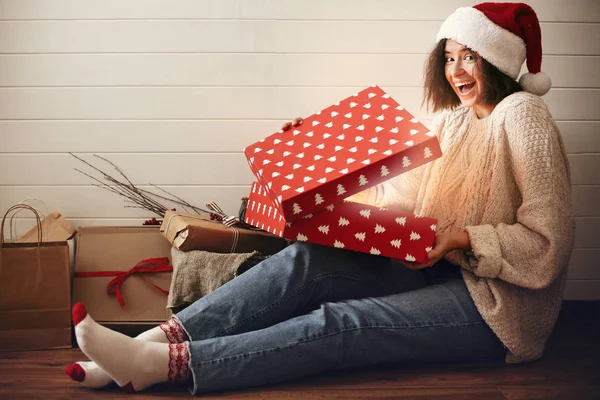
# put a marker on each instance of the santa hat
(504, 34)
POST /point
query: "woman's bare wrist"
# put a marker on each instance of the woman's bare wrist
(461, 241)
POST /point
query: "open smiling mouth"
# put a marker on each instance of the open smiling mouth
(464, 88)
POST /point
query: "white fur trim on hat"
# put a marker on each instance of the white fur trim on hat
(539, 83)
(500, 47)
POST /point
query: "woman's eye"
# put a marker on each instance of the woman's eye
(469, 57)
(449, 59)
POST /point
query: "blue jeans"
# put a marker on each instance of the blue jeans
(310, 309)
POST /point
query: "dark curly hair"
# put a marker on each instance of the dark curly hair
(439, 95)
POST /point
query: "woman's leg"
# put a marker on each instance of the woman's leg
(290, 283)
(438, 323)
(293, 282)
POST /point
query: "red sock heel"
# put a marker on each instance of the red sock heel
(75, 372)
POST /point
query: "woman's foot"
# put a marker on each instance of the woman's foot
(89, 374)
(133, 364)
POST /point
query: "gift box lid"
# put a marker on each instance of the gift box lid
(344, 149)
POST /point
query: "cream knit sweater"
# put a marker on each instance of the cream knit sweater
(505, 179)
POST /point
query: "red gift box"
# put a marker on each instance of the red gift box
(344, 149)
(348, 225)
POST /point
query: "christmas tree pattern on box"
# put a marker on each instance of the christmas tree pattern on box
(344, 149)
(348, 225)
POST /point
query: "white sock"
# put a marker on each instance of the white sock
(133, 364)
(89, 374)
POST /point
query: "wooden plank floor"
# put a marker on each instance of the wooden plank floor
(569, 370)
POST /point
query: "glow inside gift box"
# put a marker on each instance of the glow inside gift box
(344, 149)
(348, 225)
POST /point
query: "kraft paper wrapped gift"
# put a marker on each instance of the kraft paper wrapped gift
(115, 251)
(195, 232)
(55, 228)
(344, 149)
(349, 225)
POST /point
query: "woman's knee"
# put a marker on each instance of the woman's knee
(312, 257)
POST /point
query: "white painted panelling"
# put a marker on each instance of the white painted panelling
(132, 136)
(217, 69)
(583, 290)
(581, 136)
(150, 36)
(140, 168)
(547, 10)
(585, 169)
(76, 202)
(184, 103)
(584, 264)
(200, 135)
(231, 102)
(586, 233)
(251, 70)
(582, 70)
(586, 200)
(566, 104)
(177, 169)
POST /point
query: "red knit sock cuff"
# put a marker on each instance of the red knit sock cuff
(174, 331)
(179, 359)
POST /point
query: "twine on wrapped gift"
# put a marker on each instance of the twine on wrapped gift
(230, 221)
(234, 231)
(151, 265)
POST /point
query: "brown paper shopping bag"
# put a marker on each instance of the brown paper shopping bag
(35, 285)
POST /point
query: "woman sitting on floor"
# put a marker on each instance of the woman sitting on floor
(494, 282)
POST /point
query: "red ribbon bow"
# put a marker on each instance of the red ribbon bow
(150, 265)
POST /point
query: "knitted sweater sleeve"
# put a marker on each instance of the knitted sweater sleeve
(400, 192)
(532, 252)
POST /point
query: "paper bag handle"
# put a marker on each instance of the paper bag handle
(13, 226)
(27, 207)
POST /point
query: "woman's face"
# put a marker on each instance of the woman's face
(463, 72)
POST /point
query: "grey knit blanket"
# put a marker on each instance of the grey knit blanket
(196, 273)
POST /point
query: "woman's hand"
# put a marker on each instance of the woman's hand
(288, 125)
(444, 243)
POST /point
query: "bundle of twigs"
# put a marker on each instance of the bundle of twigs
(138, 198)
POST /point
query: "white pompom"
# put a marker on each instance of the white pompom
(539, 83)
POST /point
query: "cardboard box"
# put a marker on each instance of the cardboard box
(195, 232)
(348, 225)
(342, 150)
(119, 249)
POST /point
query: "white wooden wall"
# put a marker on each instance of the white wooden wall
(171, 91)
